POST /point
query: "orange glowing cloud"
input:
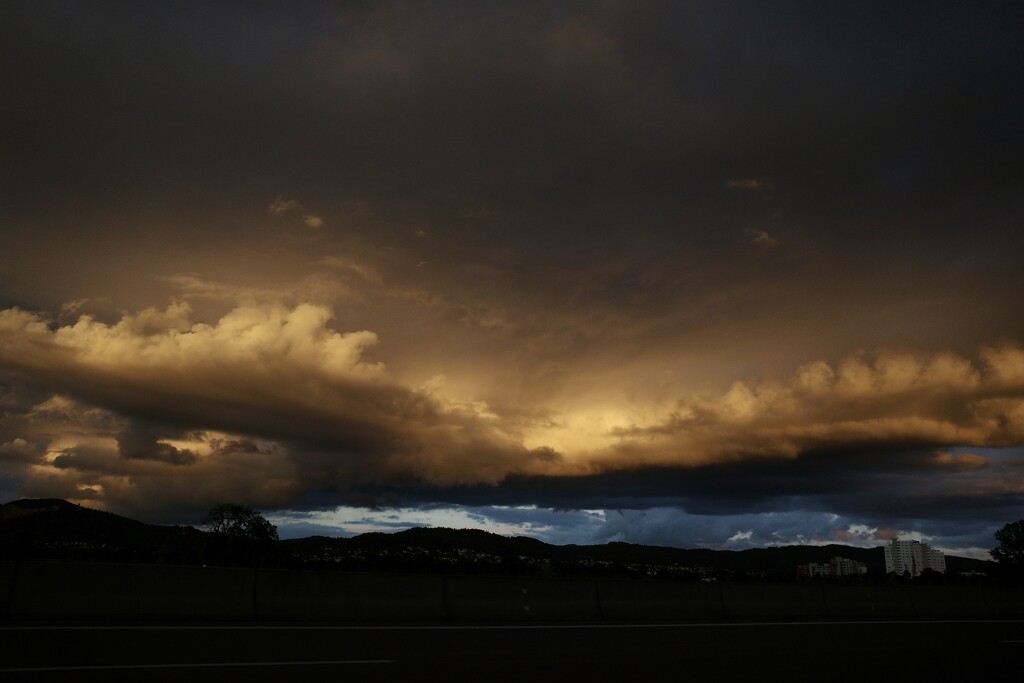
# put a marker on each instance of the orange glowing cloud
(269, 370)
(167, 391)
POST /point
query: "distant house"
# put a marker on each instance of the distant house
(837, 566)
(912, 557)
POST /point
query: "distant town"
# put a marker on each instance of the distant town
(908, 558)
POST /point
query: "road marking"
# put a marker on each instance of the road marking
(110, 667)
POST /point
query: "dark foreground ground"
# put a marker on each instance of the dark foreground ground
(784, 651)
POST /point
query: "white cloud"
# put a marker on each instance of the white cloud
(546, 524)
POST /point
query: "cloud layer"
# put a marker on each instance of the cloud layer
(273, 390)
(716, 259)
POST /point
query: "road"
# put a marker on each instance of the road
(784, 651)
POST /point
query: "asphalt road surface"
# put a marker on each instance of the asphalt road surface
(823, 652)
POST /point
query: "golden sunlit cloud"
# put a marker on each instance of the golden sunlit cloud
(281, 373)
(890, 398)
(268, 370)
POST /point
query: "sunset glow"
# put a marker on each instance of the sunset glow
(719, 274)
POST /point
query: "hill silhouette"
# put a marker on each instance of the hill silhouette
(52, 524)
(51, 528)
(57, 529)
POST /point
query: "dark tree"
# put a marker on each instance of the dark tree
(1010, 552)
(239, 521)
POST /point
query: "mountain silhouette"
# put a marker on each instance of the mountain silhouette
(50, 528)
(57, 529)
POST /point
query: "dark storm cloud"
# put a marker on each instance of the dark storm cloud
(822, 497)
(853, 482)
(724, 256)
(521, 105)
(142, 441)
(576, 156)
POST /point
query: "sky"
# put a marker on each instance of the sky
(698, 274)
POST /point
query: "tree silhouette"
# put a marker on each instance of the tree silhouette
(1010, 552)
(239, 521)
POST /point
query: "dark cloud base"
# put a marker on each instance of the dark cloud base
(883, 487)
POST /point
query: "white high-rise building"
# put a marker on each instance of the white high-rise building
(914, 557)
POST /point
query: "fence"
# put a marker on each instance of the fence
(68, 590)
